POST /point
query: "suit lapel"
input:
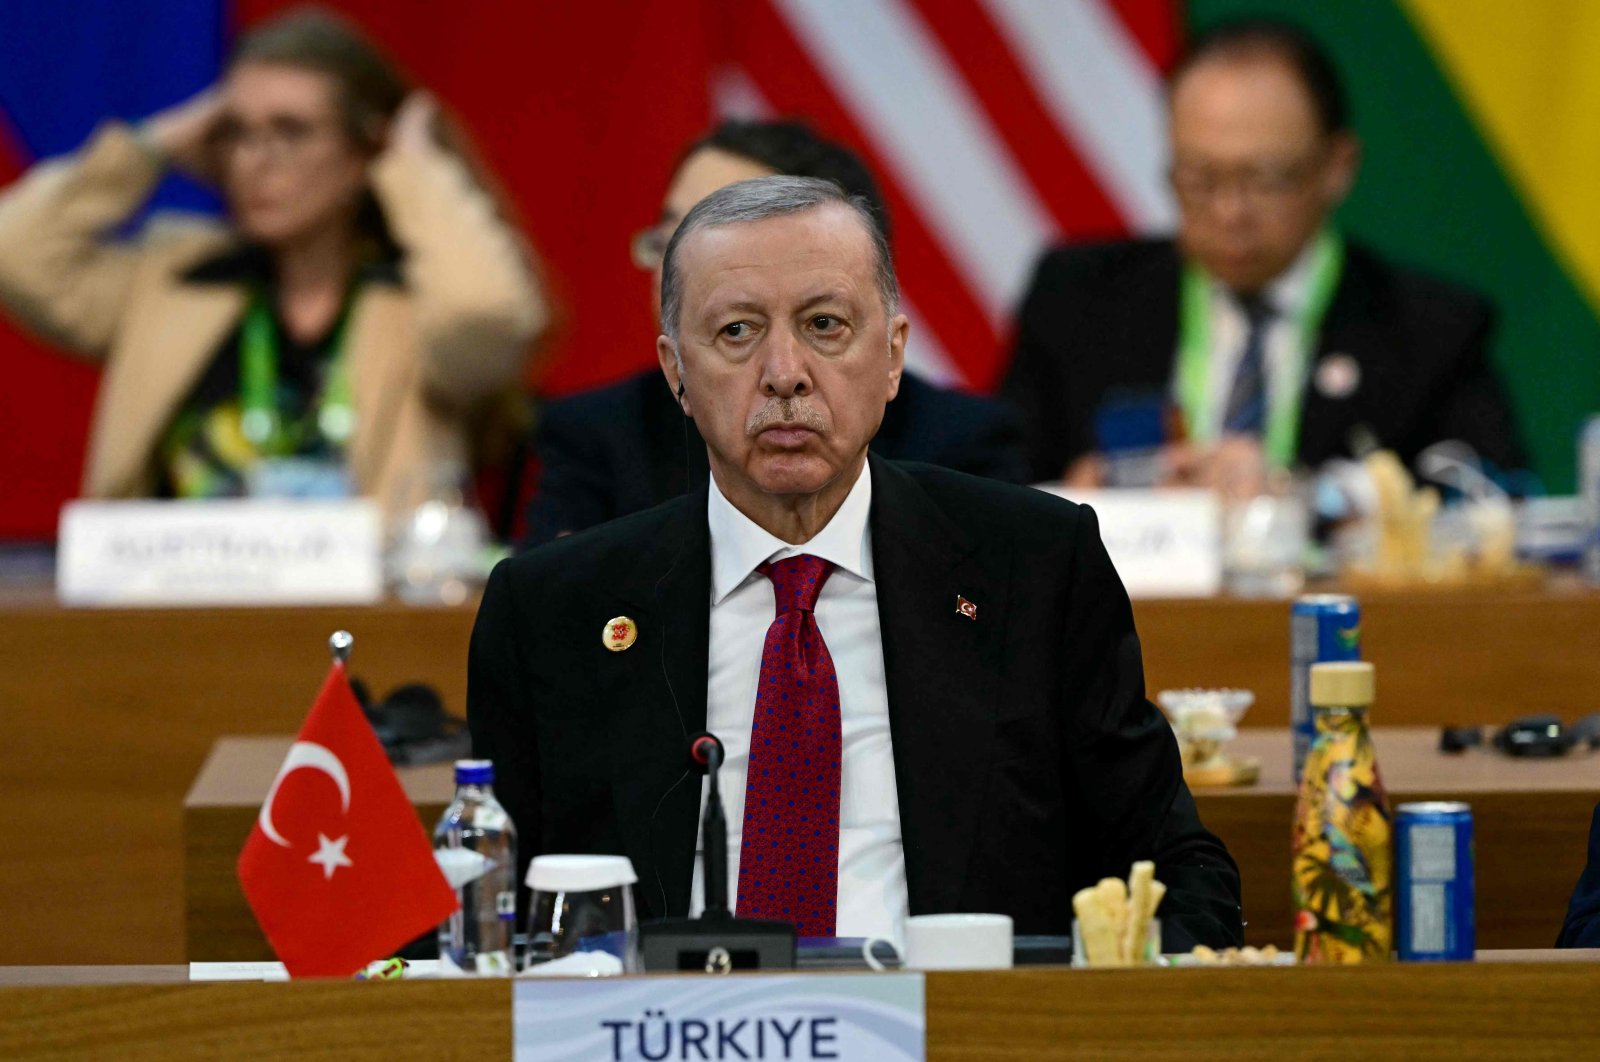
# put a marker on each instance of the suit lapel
(942, 672)
(655, 699)
(1350, 330)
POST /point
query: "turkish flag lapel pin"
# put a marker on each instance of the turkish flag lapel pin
(966, 608)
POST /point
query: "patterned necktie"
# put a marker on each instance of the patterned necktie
(1247, 400)
(789, 855)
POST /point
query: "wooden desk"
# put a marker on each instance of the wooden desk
(1531, 818)
(1463, 1013)
(107, 715)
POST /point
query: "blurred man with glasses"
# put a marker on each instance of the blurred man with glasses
(1259, 338)
(619, 449)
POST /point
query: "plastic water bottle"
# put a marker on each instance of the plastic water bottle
(476, 846)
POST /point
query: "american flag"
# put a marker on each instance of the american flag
(997, 127)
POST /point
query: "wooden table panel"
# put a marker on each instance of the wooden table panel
(1457, 1013)
(466, 1020)
(1442, 657)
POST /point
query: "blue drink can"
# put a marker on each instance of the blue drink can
(1435, 915)
(1322, 627)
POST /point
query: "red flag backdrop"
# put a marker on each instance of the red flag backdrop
(995, 125)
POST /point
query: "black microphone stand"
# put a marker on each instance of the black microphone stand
(714, 828)
(716, 942)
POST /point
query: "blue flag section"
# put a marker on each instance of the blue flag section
(87, 60)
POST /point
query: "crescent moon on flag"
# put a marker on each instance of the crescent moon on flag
(304, 754)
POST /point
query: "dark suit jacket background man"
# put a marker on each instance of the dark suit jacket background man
(1582, 926)
(618, 449)
(1027, 761)
(1261, 156)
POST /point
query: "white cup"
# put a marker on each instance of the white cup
(958, 942)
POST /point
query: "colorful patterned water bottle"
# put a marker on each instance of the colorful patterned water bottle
(1343, 873)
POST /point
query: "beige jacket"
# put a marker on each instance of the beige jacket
(421, 355)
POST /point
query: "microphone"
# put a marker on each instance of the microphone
(680, 388)
(716, 942)
(705, 753)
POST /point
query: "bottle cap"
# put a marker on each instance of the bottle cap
(1342, 684)
(474, 772)
(579, 873)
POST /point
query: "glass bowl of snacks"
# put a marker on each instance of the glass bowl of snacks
(1204, 721)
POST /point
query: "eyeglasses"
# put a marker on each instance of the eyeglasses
(1267, 184)
(282, 139)
(649, 246)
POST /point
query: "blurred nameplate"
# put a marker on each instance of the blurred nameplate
(876, 1016)
(1164, 543)
(143, 553)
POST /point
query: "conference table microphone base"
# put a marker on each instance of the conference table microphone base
(716, 944)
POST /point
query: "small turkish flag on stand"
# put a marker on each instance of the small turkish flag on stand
(338, 869)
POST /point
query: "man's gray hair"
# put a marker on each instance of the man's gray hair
(760, 198)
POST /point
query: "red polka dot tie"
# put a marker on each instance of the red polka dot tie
(789, 855)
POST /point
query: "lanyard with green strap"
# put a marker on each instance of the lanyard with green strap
(1194, 351)
(260, 420)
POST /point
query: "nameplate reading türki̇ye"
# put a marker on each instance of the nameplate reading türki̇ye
(791, 1017)
(223, 552)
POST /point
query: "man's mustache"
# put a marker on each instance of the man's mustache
(787, 412)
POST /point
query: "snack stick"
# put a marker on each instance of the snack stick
(1158, 892)
(1090, 909)
(1139, 924)
(1139, 882)
(1083, 904)
(1114, 895)
(1096, 925)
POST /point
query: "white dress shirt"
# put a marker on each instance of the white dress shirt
(1283, 360)
(872, 867)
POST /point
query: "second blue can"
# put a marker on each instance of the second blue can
(1435, 909)
(1322, 627)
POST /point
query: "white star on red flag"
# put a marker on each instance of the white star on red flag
(330, 855)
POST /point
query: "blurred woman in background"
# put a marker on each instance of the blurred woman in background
(335, 336)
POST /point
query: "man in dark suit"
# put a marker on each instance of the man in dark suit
(1582, 927)
(625, 447)
(928, 683)
(1259, 320)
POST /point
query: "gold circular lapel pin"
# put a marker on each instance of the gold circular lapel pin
(619, 633)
